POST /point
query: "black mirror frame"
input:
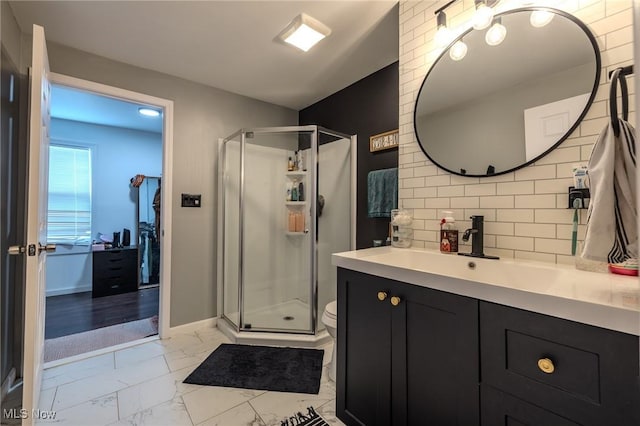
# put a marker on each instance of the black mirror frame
(594, 89)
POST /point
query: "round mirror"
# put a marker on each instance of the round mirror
(507, 100)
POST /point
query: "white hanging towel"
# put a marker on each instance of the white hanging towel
(612, 230)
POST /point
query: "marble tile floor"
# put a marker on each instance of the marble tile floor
(142, 385)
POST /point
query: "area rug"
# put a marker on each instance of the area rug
(261, 367)
(310, 419)
(79, 343)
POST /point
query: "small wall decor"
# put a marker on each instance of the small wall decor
(384, 141)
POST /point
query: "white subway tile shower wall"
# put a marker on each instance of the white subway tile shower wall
(525, 211)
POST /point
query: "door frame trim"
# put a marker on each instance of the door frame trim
(164, 313)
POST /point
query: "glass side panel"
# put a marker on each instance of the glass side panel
(277, 242)
(334, 218)
(231, 230)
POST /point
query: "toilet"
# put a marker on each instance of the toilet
(330, 321)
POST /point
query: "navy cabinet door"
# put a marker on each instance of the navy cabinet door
(409, 359)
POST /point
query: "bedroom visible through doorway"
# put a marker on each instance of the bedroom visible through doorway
(98, 291)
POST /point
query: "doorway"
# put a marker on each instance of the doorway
(96, 294)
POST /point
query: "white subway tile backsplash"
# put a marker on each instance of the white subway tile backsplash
(553, 216)
(536, 172)
(515, 215)
(515, 243)
(480, 189)
(545, 230)
(498, 202)
(511, 188)
(553, 186)
(426, 192)
(465, 202)
(552, 245)
(525, 211)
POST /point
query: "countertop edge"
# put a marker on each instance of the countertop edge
(609, 317)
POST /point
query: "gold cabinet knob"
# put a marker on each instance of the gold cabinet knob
(395, 300)
(546, 365)
(382, 295)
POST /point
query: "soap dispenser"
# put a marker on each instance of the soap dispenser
(448, 233)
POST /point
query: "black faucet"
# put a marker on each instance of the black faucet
(476, 232)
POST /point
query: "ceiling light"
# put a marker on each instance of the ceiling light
(540, 18)
(304, 32)
(458, 51)
(496, 33)
(482, 16)
(148, 112)
(443, 35)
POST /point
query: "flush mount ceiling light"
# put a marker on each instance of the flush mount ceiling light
(540, 18)
(483, 15)
(443, 34)
(304, 32)
(148, 112)
(496, 33)
(458, 51)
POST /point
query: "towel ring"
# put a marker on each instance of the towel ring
(617, 77)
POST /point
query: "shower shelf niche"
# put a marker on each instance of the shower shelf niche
(295, 203)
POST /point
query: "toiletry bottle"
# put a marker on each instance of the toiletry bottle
(290, 165)
(299, 222)
(294, 191)
(448, 233)
(291, 226)
(289, 188)
(295, 161)
(300, 191)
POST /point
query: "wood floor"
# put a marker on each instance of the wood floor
(75, 313)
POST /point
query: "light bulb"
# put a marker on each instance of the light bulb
(540, 18)
(496, 34)
(482, 17)
(458, 51)
(443, 36)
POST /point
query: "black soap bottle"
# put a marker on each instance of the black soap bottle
(300, 191)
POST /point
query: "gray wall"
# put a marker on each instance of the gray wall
(202, 114)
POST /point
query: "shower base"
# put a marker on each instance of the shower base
(290, 315)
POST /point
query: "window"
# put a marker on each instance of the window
(69, 215)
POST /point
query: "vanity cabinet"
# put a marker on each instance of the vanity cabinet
(406, 355)
(410, 355)
(584, 374)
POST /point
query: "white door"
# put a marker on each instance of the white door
(36, 210)
(546, 124)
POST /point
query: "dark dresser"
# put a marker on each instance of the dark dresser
(115, 271)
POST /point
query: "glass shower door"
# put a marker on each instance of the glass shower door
(230, 188)
(335, 194)
(276, 232)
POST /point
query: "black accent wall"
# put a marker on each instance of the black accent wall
(367, 107)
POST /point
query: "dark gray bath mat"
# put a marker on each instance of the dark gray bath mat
(261, 367)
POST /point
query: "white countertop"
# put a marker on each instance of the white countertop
(604, 300)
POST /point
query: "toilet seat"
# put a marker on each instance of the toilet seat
(330, 314)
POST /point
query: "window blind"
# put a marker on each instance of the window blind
(69, 214)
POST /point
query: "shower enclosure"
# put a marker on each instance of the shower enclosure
(277, 227)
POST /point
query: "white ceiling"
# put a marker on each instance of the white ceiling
(229, 44)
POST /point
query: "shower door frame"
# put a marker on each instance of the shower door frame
(314, 130)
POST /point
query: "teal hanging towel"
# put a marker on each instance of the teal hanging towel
(382, 189)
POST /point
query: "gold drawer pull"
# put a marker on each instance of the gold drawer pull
(395, 300)
(546, 365)
(382, 295)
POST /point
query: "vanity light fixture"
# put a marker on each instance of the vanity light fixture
(483, 15)
(304, 32)
(148, 112)
(540, 18)
(458, 51)
(496, 34)
(443, 34)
